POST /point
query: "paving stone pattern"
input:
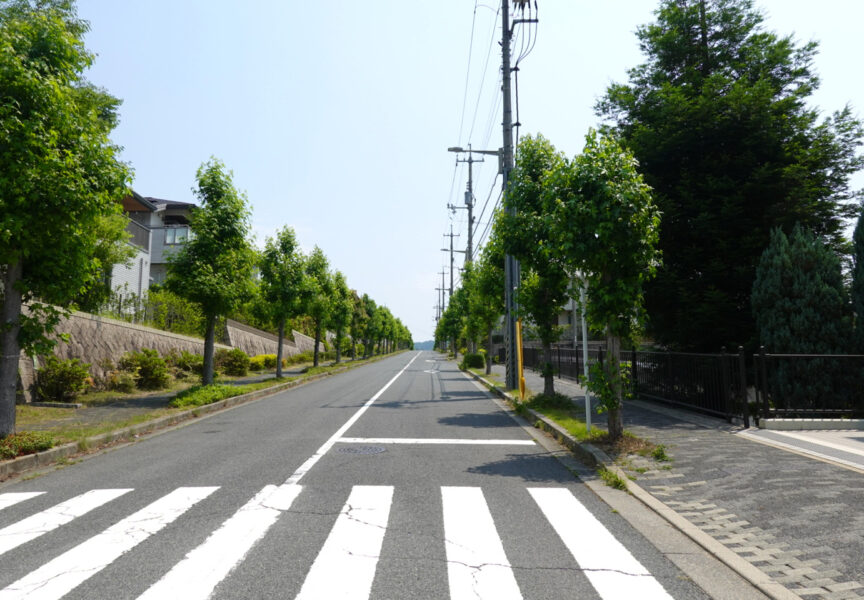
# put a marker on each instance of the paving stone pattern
(797, 519)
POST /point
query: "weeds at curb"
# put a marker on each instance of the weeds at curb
(611, 479)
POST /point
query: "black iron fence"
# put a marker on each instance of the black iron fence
(809, 385)
(715, 384)
(732, 385)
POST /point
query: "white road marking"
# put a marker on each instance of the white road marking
(58, 577)
(13, 498)
(437, 441)
(819, 442)
(477, 567)
(197, 575)
(609, 566)
(310, 462)
(41, 523)
(345, 567)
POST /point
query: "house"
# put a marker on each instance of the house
(157, 227)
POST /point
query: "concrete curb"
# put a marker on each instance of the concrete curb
(596, 458)
(27, 462)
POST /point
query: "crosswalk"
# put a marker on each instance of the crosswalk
(345, 567)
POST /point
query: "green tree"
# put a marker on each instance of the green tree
(799, 301)
(60, 178)
(486, 303)
(342, 310)
(801, 306)
(317, 299)
(372, 322)
(359, 321)
(718, 118)
(858, 283)
(110, 236)
(526, 235)
(282, 282)
(214, 268)
(605, 226)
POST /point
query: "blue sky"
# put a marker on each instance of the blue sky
(335, 115)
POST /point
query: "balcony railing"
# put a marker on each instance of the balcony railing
(140, 235)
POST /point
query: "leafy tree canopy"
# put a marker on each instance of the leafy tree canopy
(718, 119)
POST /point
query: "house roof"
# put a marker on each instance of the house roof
(162, 204)
(137, 203)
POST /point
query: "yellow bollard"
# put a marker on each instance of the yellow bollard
(520, 371)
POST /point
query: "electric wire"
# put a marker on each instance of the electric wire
(468, 72)
(483, 78)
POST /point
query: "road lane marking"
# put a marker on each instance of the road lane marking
(50, 519)
(310, 462)
(13, 498)
(477, 566)
(441, 441)
(58, 577)
(345, 567)
(607, 564)
(818, 442)
(197, 575)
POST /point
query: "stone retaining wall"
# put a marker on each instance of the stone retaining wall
(254, 341)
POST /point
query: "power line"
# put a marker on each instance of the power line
(483, 78)
(468, 71)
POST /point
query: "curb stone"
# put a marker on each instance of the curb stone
(596, 458)
(21, 464)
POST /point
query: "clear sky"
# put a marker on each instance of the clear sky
(336, 115)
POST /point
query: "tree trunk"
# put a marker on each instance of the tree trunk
(489, 352)
(279, 349)
(613, 371)
(548, 373)
(338, 345)
(317, 341)
(353, 348)
(209, 347)
(10, 325)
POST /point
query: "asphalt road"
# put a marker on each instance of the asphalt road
(398, 480)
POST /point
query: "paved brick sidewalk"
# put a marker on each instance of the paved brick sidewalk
(798, 519)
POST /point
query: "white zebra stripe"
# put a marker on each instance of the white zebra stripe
(197, 575)
(13, 498)
(608, 565)
(345, 567)
(41, 523)
(477, 567)
(58, 577)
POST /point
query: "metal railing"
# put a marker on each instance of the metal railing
(809, 385)
(140, 235)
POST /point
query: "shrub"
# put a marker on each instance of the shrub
(301, 357)
(472, 361)
(25, 442)
(258, 363)
(62, 380)
(185, 361)
(233, 362)
(149, 369)
(120, 381)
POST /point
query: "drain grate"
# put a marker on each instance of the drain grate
(361, 450)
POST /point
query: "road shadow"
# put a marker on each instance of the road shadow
(530, 468)
(480, 421)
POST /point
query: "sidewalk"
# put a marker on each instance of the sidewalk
(796, 518)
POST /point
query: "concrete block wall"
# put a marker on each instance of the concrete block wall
(254, 341)
(94, 339)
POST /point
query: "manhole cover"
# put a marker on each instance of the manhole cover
(361, 450)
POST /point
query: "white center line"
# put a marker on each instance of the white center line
(310, 462)
(437, 441)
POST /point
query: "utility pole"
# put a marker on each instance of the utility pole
(442, 289)
(451, 235)
(511, 265)
(469, 201)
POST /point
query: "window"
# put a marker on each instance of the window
(176, 235)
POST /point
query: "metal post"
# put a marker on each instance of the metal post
(745, 405)
(511, 265)
(585, 360)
